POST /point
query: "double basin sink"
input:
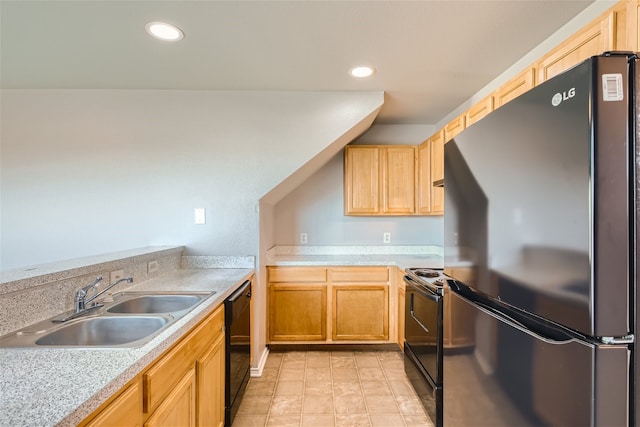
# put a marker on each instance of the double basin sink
(131, 320)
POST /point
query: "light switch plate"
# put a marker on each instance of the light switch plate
(199, 216)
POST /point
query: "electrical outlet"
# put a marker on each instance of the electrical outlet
(152, 266)
(116, 275)
(386, 237)
(303, 237)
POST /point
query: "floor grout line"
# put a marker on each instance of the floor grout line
(386, 363)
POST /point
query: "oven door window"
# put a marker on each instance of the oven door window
(423, 330)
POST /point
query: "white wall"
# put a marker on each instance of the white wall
(317, 206)
(93, 171)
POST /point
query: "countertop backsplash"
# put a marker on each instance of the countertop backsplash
(32, 298)
(400, 256)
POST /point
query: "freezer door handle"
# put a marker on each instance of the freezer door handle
(526, 322)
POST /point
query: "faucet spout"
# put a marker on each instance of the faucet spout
(124, 279)
(81, 301)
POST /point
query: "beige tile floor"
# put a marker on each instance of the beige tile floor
(331, 388)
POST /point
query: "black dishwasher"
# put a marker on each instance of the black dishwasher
(237, 320)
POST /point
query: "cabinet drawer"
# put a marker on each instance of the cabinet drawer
(162, 377)
(297, 274)
(360, 274)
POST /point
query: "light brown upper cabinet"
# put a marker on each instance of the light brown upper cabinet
(593, 40)
(616, 29)
(515, 87)
(431, 169)
(380, 179)
(424, 178)
(479, 110)
(633, 26)
(437, 173)
(454, 127)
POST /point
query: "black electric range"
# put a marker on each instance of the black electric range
(423, 340)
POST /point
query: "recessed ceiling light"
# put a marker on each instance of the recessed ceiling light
(164, 31)
(362, 72)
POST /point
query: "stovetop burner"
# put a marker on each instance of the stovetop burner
(425, 272)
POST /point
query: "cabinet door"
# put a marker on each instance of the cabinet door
(479, 110)
(179, 407)
(515, 87)
(360, 312)
(362, 180)
(633, 26)
(592, 40)
(125, 410)
(211, 371)
(297, 312)
(424, 178)
(454, 127)
(160, 379)
(437, 173)
(399, 180)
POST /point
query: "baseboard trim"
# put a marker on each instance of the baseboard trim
(257, 371)
(334, 347)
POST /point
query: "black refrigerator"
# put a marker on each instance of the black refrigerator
(541, 231)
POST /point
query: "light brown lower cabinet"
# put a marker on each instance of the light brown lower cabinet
(297, 312)
(179, 407)
(401, 309)
(124, 410)
(350, 302)
(183, 387)
(360, 312)
(458, 324)
(210, 369)
(457, 329)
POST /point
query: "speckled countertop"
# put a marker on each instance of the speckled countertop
(400, 256)
(45, 387)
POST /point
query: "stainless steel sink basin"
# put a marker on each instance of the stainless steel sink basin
(147, 304)
(130, 320)
(104, 331)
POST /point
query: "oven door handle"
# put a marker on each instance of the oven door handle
(422, 325)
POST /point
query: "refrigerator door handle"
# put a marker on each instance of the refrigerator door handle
(537, 327)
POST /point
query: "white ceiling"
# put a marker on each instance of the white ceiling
(430, 56)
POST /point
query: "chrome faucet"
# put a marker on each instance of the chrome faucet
(81, 295)
(81, 308)
(84, 302)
